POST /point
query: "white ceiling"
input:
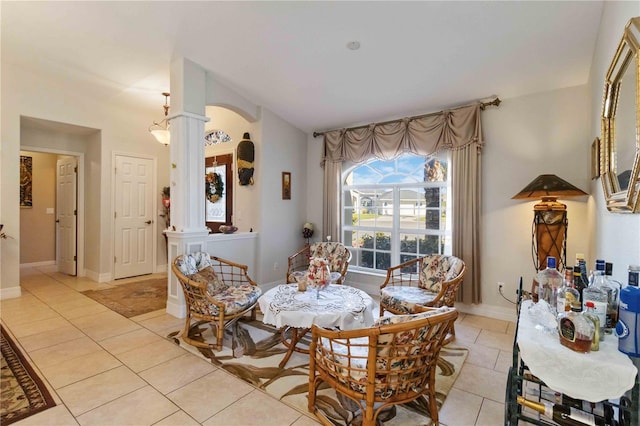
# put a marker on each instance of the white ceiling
(291, 57)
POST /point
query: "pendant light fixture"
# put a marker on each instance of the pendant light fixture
(160, 130)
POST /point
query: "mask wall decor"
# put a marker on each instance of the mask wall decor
(246, 157)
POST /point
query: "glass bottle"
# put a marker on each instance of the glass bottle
(575, 330)
(591, 314)
(597, 294)
(613, 298)
(549, 280)
(567, 294)
(578, 283)
(567, 416)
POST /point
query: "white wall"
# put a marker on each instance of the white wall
(525, 137)
(616, 236)
(75, 100)
(283, 150)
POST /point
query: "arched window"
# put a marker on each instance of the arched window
(396, 210)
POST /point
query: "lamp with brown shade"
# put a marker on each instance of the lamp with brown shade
(550, 222)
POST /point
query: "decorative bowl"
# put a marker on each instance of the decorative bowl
(228, 229)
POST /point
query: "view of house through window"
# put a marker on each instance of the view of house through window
(396, 210)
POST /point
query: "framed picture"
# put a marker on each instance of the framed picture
(26, 181)
(595, 159)
(286, 185)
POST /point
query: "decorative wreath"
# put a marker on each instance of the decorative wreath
(214, 187)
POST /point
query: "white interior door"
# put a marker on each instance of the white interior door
(67, 213)
(133, 216)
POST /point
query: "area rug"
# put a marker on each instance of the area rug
(261, 351)
(23, 392)
(133, 299)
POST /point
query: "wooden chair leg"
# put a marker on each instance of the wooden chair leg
(219, 335)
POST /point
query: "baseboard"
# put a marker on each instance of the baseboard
(37, 264)
(10, 292)
(496, 312)
(177, 310)
(95, 276)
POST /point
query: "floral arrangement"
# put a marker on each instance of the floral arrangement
(166, 203)
(318, 274)
(214, 187)
(307, 231)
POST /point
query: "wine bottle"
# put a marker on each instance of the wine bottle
(566, 416)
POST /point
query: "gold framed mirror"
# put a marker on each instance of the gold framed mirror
(620, 127)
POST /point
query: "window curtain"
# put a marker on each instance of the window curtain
(458, 130)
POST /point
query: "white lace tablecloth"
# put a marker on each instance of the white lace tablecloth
(596, 376)
(338, 306)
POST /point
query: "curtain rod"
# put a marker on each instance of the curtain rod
(496, 102)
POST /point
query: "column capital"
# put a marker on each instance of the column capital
(188, 114)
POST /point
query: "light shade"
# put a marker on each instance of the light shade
(548, 186)
(162, 135)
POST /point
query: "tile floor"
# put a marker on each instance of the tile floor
(104, 369)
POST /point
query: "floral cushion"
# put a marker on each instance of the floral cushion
(209, 277)
(351, 357)
(436, 269)
(405, 298)
(335, 253)
(191, 263)
(235, 298)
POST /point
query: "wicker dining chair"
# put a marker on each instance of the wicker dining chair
(432, 281)
(336, 253)
(216, 291)
(393, 362)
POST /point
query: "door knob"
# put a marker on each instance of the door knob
(149, 222)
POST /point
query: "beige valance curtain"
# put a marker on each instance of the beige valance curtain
(458, 130)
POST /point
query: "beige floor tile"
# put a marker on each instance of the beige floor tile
(177, 372)
(40, 325)
(102, 388)
(149, 315)
(145, 406)
(51, 338)
(492, 339)
(210, 394)
(460, 408)
(80, 368)
(150, 355)
(491, 413)
(104, 325)
(466, 333)
(481, 381)
(257, 409)
(55, 416)
(305, 421)
(481, 355)
(505, 360)
(64, 351)
(82, 311)
(129, 341)
(179, 418)
(159, 323)
(485, 323)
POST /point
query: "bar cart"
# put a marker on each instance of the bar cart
(604, 383)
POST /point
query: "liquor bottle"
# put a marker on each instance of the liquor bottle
(567, 416)
(578, 283)
(575, 330)
(591, 315)
(549, 280)
(599, 280)
(613, 302)
(567, 294)
(597, 294)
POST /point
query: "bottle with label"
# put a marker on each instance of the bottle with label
(599, 280)
(567, 294)
(578, 283)
(575, 330)
(597, 294)
(591, 315)
(566, 416)
(613, 294)
(628, 327)
(549, 281)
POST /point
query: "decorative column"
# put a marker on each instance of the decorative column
(188, 232)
